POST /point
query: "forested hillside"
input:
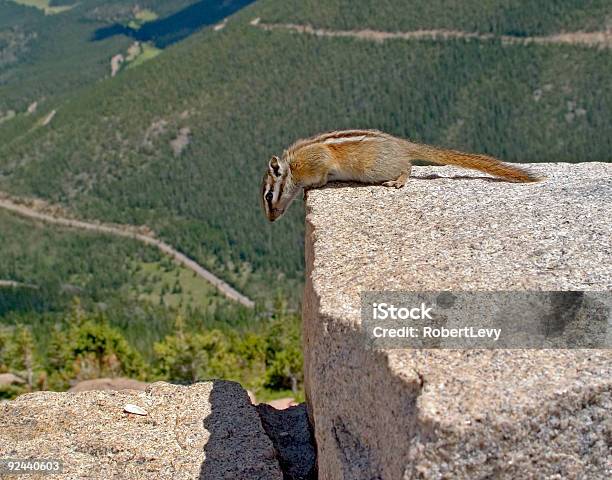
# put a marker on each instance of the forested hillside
(517, 17)
(103, 306)
(179, 143)
(133, 283)
(49, 48)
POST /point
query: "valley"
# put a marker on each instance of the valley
(123, 114)
(142, 234)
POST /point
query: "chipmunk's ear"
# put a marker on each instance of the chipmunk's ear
(274, 166)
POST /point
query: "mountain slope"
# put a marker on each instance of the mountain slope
(180, 143)
(43, 56)
(517, 17)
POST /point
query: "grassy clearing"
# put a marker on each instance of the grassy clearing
(147, 52)
(267, 395)
(146, 15)
(141, 17)
(165, 283)
(45, 6)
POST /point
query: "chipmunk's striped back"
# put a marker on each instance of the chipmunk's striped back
(335, 137)
(369, 156)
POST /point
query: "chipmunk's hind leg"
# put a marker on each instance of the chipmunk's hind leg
(400, 181)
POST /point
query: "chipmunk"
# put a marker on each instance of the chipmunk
(367, 156)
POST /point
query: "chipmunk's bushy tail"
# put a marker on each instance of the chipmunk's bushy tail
(484, 163)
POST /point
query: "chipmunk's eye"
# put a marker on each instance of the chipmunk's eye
(269, 196)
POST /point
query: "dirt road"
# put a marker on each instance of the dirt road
(589, 39)
(129, 232)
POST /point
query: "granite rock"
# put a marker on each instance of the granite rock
(208, 431)
(461, 414)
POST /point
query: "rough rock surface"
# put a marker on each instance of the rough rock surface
(209, 431)
(391, 414)
(291, 435)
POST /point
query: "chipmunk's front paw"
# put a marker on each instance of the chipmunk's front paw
(394, 183)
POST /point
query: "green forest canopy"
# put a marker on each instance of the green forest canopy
(244, 94)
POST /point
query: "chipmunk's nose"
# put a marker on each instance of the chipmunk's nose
(275, 215)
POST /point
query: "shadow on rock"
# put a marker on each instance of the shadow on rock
(290, 432)
(237, 446)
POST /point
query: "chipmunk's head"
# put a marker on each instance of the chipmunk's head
(277, 188)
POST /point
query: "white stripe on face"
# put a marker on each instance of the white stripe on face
(277, 187)
(274, 185)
